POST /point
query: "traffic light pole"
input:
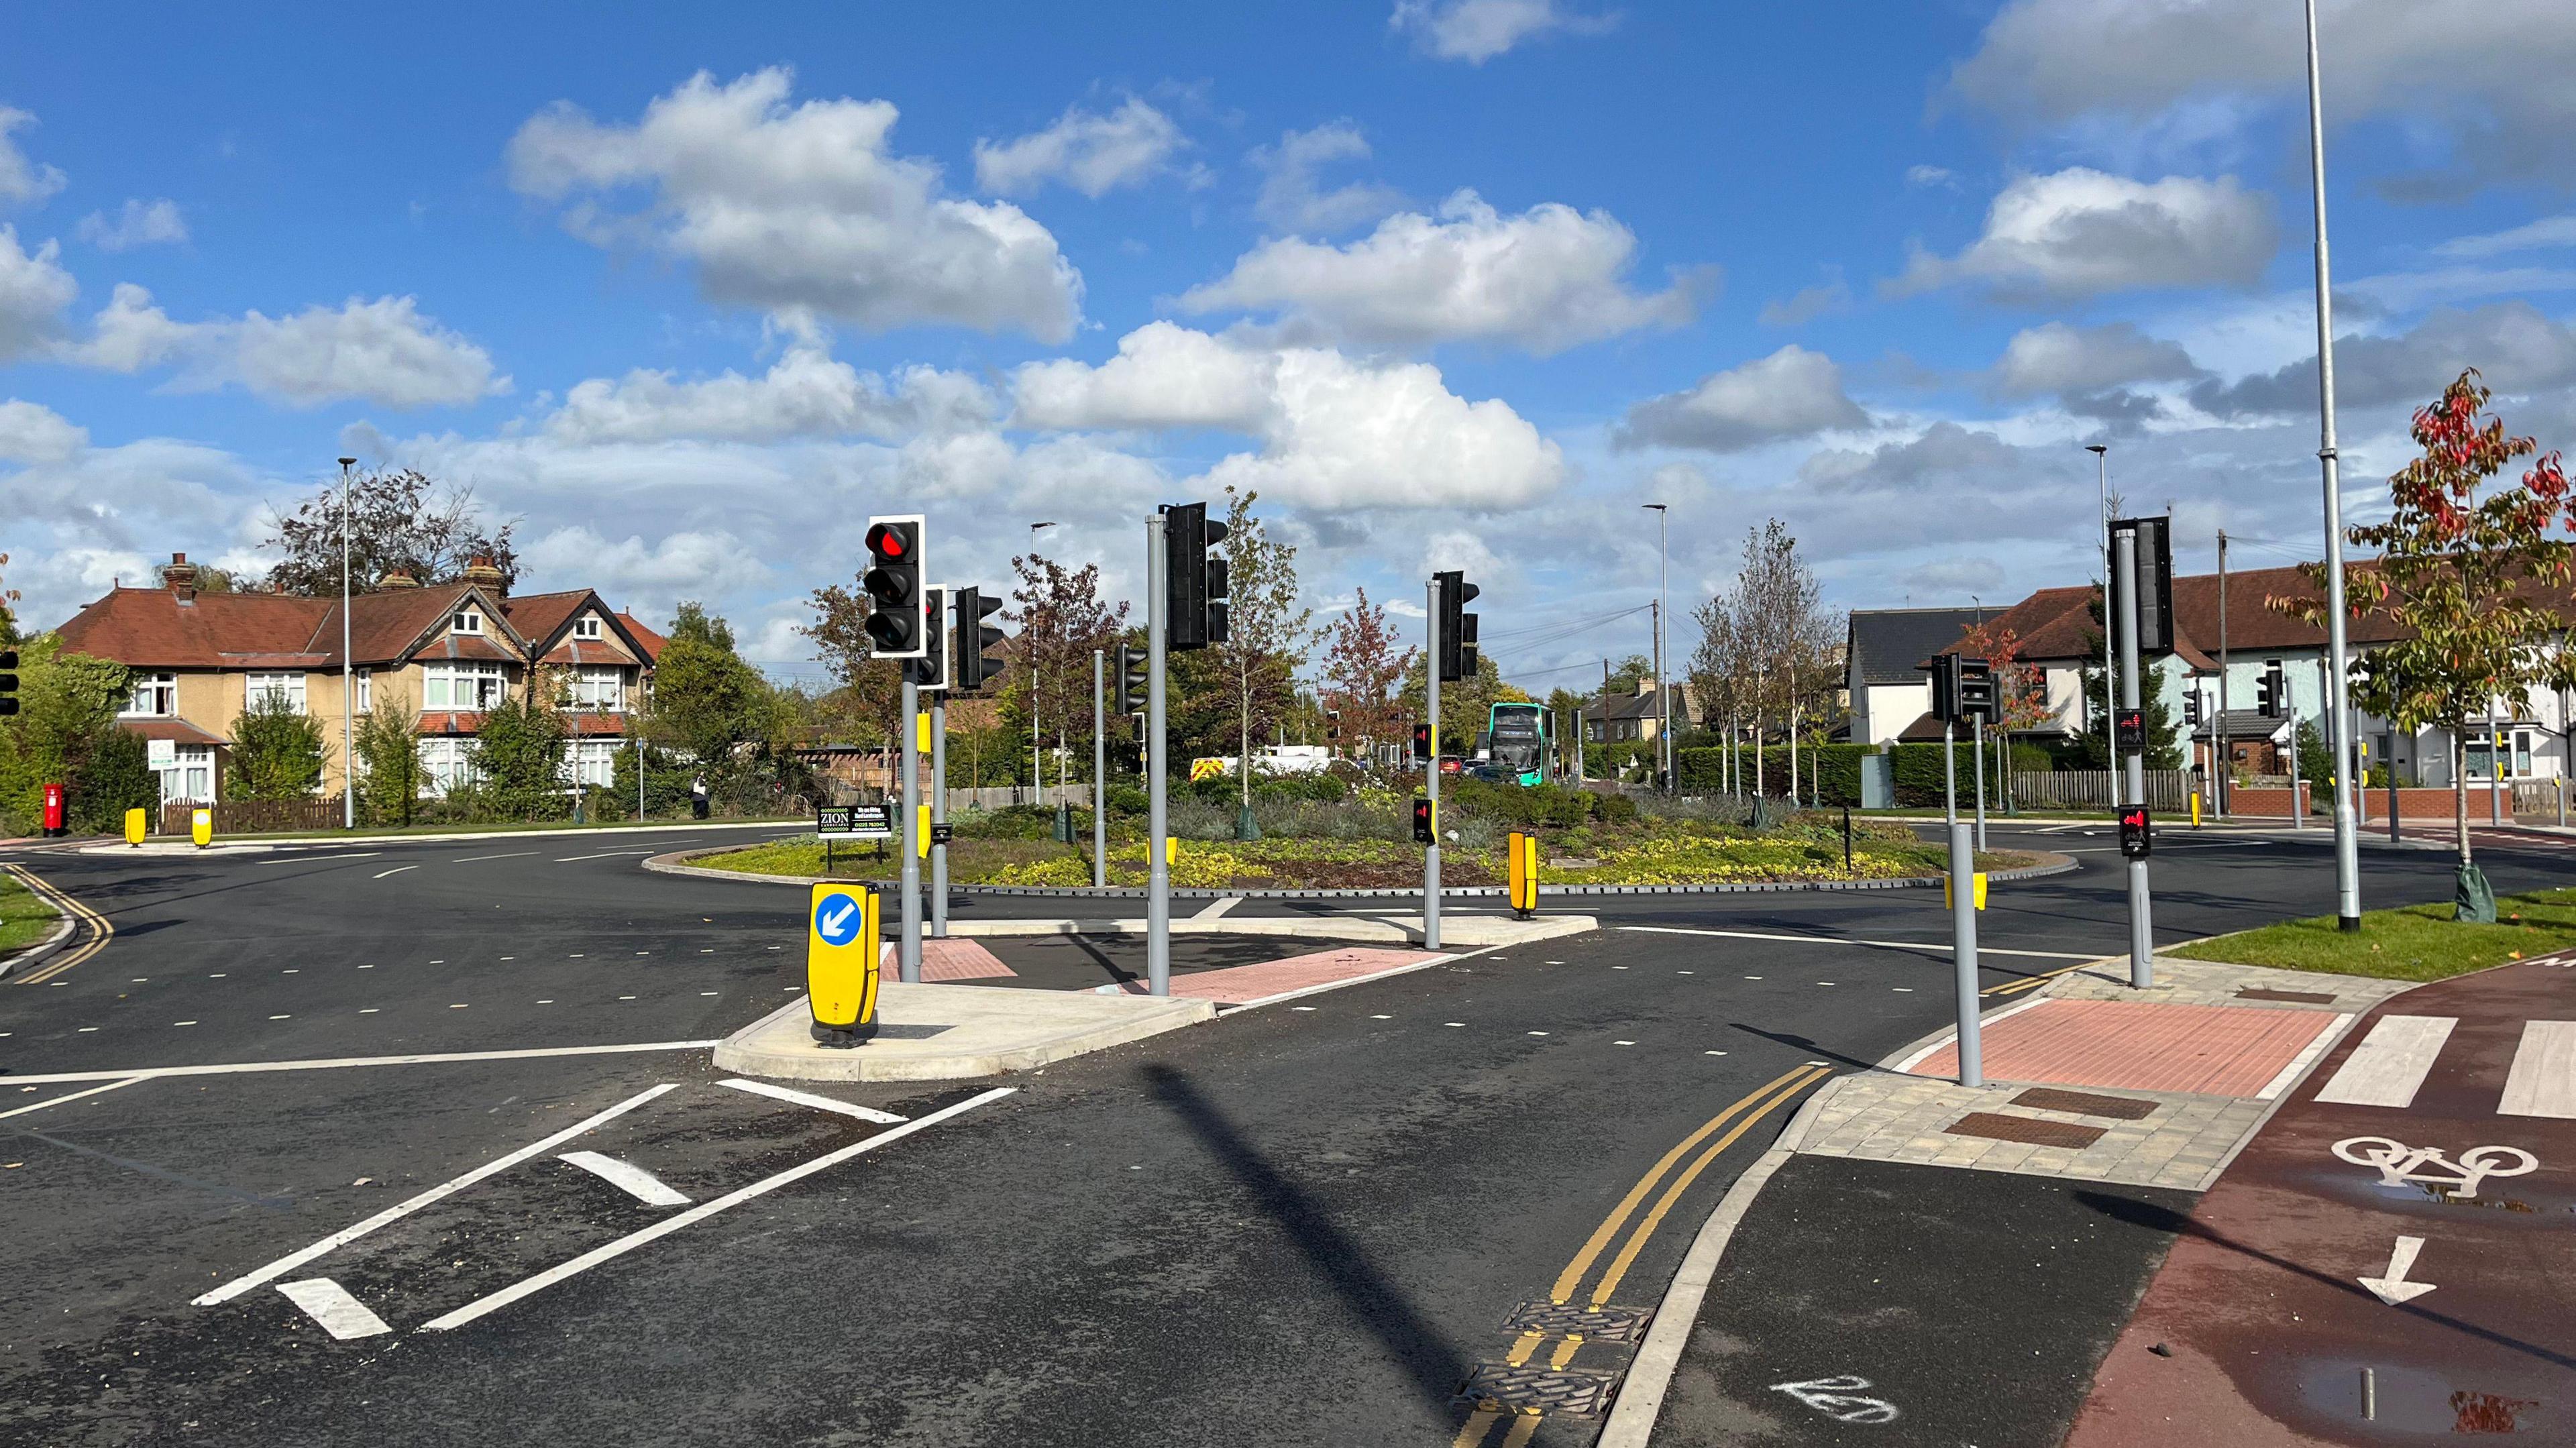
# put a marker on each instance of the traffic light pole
(1963, 920)
(1099, 780)
(939, 816)
(1431, 775)
(1158, 869)
(908, 954)
(1979, 754)
(2142, 944)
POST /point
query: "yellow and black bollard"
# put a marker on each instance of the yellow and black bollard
(1523, 852)
(842, 959)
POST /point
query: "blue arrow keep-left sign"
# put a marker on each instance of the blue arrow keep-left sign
(837, 919)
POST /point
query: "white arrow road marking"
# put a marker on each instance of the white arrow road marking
(627, 1177)
(329, 1303)
(2394, 1288)
(529, 1285)
(832, 923)
(819, 1103)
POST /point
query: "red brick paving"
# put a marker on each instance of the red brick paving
(1235, 985)
(2141, 1046)
(955, 958)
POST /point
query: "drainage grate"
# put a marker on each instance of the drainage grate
(2303, 997)
(1596, 1324)
(2085, 1103)
(1507, 1389)
(2026, 1129)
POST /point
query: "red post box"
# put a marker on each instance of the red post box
(53, 809)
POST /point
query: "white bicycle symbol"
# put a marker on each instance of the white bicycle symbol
(1837, 1399)
(2399, 1163)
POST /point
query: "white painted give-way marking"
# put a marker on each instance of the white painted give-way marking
(2394, 1288)
(627, 1177)
(329, 1303)
(2390, 1064)
(1873, 944)
(2542, 1081)
(819, 1103)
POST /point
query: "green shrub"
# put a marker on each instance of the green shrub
(277, 752)
(1614, 809)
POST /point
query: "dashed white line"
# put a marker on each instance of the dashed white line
(329, 1303)
(396, 870)
(514, 855)
(819, 1103)
(71, 1096)
(281, 1018)
(85, 1030)
(627, 1177)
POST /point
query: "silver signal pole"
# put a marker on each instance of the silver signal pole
(1099, 780)
(1431, 776)
(1158, 867)
(1979, 754)
(2338, 706)
(2110, 676)
(1963, 918)
(908, 955)
(2142, 945)
(939, 811)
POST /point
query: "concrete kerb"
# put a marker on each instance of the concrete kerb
(972, 1031)
(261, 843)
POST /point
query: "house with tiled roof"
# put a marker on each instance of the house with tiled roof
(448, 651)
(1883, 656)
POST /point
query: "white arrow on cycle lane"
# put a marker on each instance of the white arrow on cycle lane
(2394, 1289)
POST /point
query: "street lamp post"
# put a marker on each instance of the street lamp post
(2102, 471)
(1663, 698)
(1037, 777)
(348, 694)
(2338, 704)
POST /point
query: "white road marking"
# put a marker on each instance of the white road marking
(1950, 1037)
(400, 1210)
(2394, 1288)
(336, 1063)
(307, 859)
(2390, 1064)
(1873, 944)
(396, 870)
(74, 1096)
(2542, 1081)
(513, 855)
(183, 1023)
(329, 1303)
(819, 1103)
(2297, 1069)
(607, 854)
(1217, 909)
(85, 1030)
(627, 1177)
(592, 1258)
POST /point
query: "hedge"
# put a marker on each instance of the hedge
(1838, 764)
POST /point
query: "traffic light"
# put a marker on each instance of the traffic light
(8, 681)
(930, 671)
(1422, 741)
(2129, 731)
(894, 581)
(975, 668)
(1332, 726)
(1944, 669)
(2268, 693)
(2153, 580)
(2191, 708)
(1977, 697)
(1135, 678)
(1423, 833)
(1456, 642)
(2136, 842)
(1194, 585)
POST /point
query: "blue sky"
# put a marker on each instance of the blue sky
(691, 291)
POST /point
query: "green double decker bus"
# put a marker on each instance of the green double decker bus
(1518, 743)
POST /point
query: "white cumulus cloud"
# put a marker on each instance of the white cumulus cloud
(806, 393)
(381, 351)
(1092, 153)
(2081, 233)
(1791, 393)
(1476, 31)
(1293, 197)
(1547, 279)
(799, 209)
(33, 434)
(22, 181)
(34, 290)
(138, 223)
(1164, 376)
(2062, 358)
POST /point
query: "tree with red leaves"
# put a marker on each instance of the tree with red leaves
(2472, 575)
(2021, 688)
(1363, 670)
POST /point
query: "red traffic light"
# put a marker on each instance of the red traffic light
(889, 540)
(1422, 832)
(1422, 741)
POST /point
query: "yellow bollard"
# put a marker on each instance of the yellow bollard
(135, 827)
(2195, 809)
(844, 959)
(201, 827)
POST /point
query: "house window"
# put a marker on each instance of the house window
(454, 684)
(156, 694)
(189, 776)
(2511, 747)
(467, 621)
(599, 686)
(258, 688)
(586, 627)
(592, 762)
(366, 691)
(448, 763)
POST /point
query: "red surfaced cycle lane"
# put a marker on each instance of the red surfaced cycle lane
(2392, 1259)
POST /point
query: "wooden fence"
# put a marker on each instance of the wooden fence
(2168, 790)
(255, 816)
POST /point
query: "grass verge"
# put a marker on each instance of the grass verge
(24, 916)
(2418, 942)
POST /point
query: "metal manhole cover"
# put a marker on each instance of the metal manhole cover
(1594, 1324)
(1507, 1389)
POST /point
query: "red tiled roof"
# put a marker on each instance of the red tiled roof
(651, 641)
(177, 731)
(450, 722)
(2056, 624)
(154, 628)
(595, 725)
(590, 651)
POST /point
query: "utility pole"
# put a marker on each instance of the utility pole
(1431, 771)
(1663, 698)
(2142, 945)
(939, 809)
(2224, 765)
(1158, 868)
(2337, 702)
(1099, 779)
(348, 694)
(908, 955)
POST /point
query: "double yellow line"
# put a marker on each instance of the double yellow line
(1728, 1127)
(2033, 982)
(100, 932)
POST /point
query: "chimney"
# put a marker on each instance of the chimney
(484, 574)
(1645, 686)
(395, 578)
(181, 577)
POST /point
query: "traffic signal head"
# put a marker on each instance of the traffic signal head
(975, 668)
(893, 582)
(1423, 833)
(1134, 679)
(1944, 669)
(2136, 840)
(1454, 639)
(1422, 741)
(8, 681)
(1194, 585)
(1978, 697)
(930, 671)
(2191, 707)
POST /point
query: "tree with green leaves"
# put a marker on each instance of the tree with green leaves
(2473, 575)
(399, 521)
(1267, 627)
(1465, 704)
(1058, 620)
(65, 733)
(391, 779)
(707, 701)
(277, 751)
(519, 756)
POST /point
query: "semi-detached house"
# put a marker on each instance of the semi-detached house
(449, 651)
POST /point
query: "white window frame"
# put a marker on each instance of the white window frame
(159, 693)
(587, 627)
(2479, 753)
(592, 762)
(446, 761)
(441, 679)
(366, 691)
(599, 686)
(288, 685)
(466, 621)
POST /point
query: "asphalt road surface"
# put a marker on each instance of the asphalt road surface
(1302, 1224)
